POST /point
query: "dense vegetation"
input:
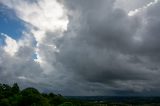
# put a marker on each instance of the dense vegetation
(13, 96)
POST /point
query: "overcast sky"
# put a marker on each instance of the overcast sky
(81, 47)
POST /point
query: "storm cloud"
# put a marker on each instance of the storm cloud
(84, 47)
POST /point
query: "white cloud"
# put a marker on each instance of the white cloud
(11, 46)
(133, 12)
(45, 20)
(128, 5)
(44, 15)
(41, 17)
(97, 53)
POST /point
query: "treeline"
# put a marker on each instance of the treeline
(13, 96)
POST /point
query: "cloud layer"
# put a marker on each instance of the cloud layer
(84, 47)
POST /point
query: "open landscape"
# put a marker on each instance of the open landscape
(13, 96)
(79, 52)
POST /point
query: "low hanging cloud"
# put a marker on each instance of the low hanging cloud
(83, 47)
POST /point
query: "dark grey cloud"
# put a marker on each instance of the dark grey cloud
(104, 45)
(103, 52)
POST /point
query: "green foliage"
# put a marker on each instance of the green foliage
(66, 104)
(13, 96)
(15, 100)
(30, 91)
(32, 97)
(15, 88)
(4, 102)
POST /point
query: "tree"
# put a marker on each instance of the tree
(13, 96)
(32, 97)
(6, 90)
(29, 91)
(15, 88)
(56, 99)
(4, 102)
(15, 100)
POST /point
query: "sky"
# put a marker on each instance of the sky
(81, 47)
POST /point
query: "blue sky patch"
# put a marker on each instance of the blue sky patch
(9, 23)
